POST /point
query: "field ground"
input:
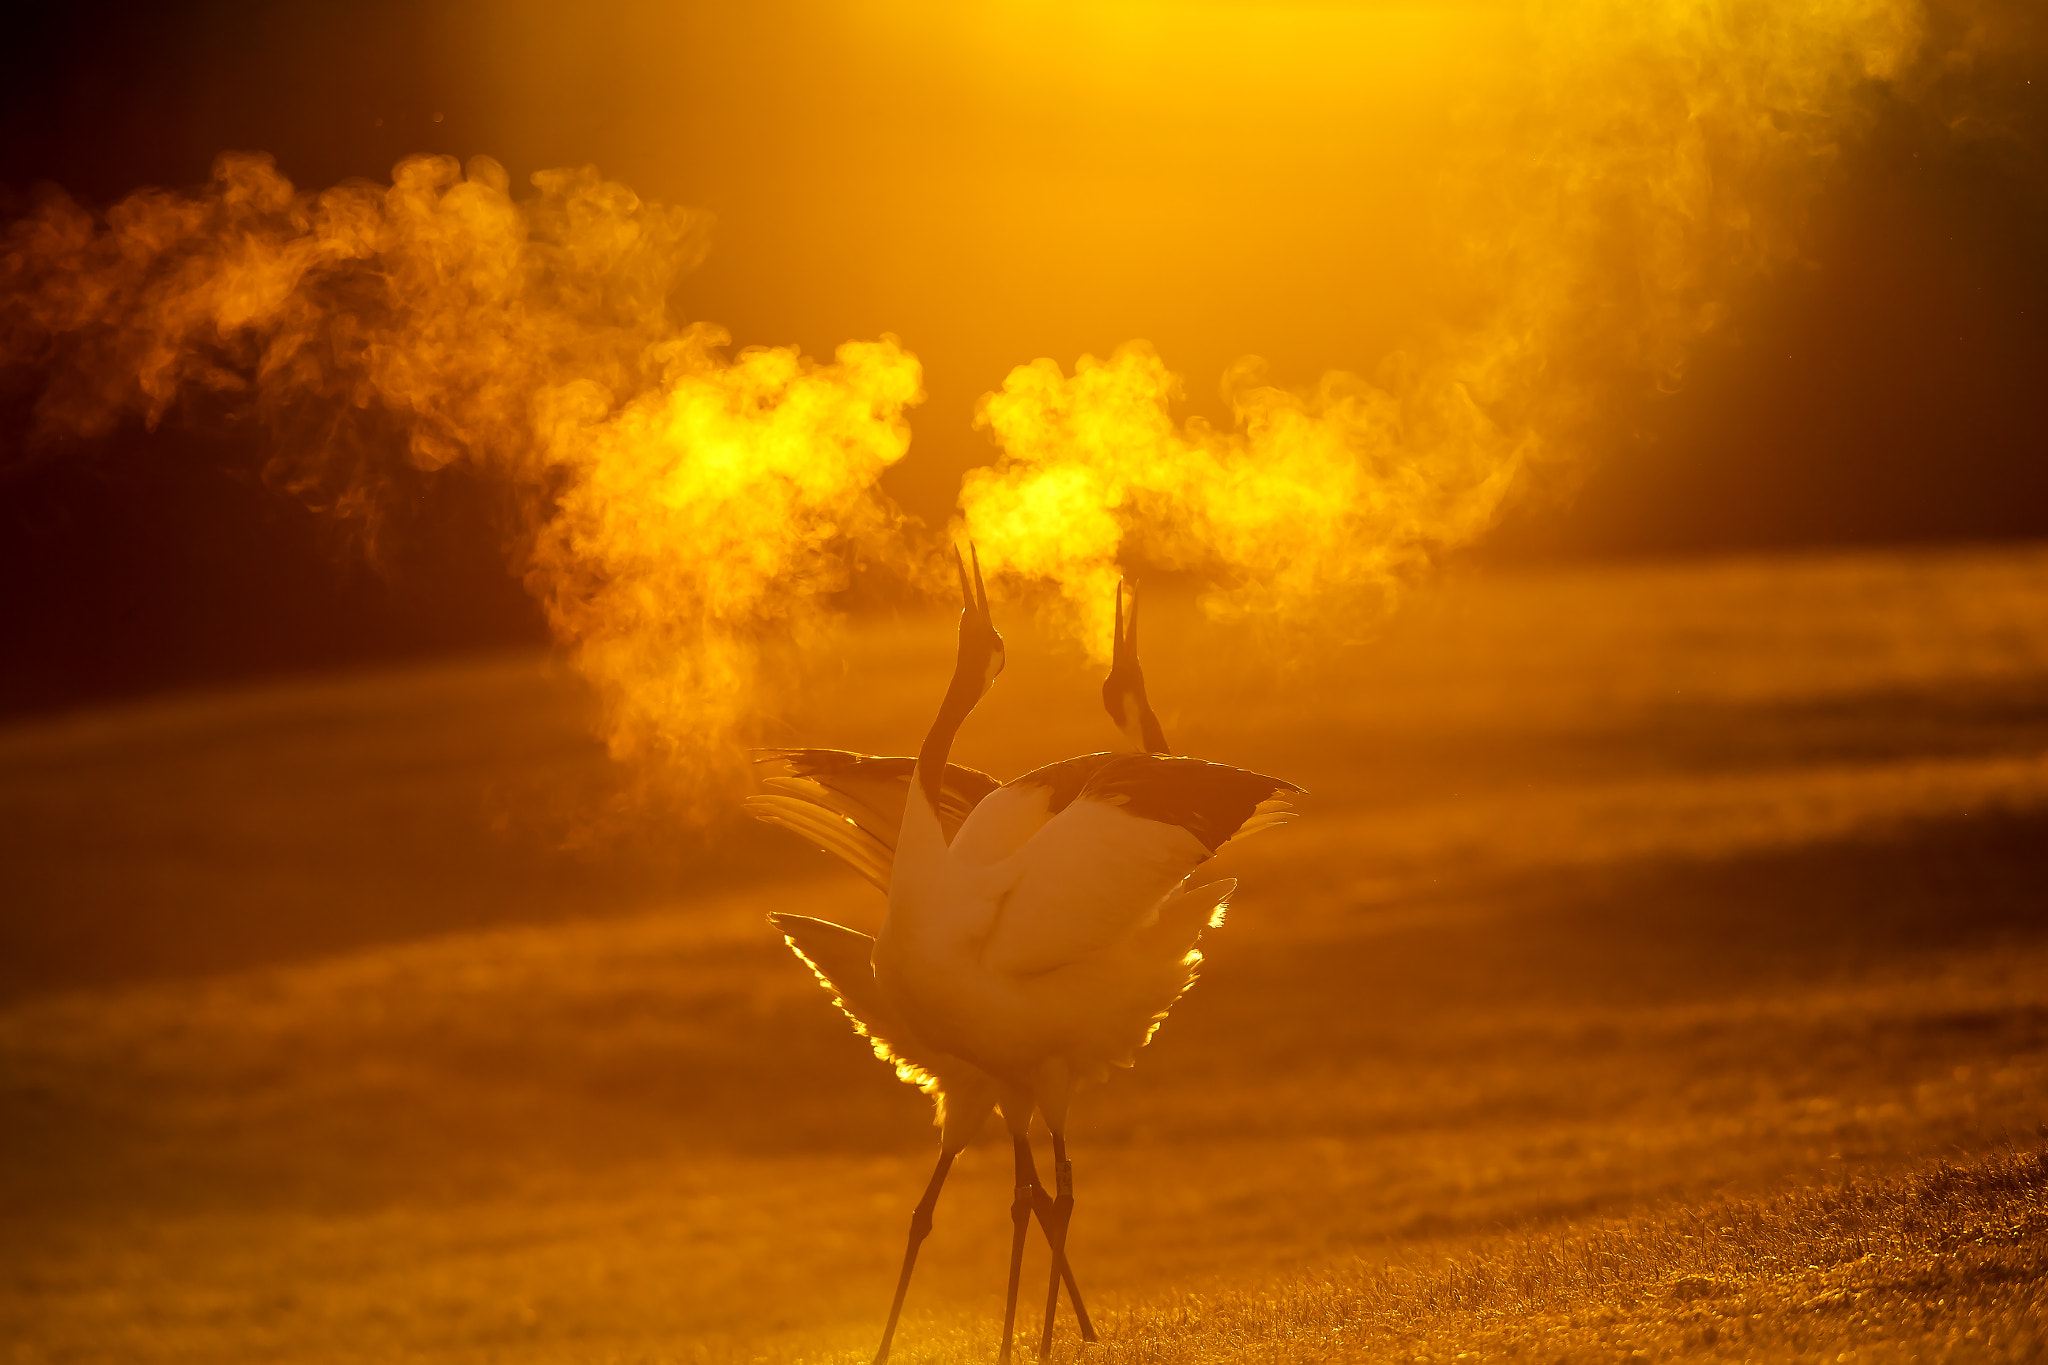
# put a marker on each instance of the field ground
(1660, 968)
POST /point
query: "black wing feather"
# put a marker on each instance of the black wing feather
(1211, 801)
(962, 790)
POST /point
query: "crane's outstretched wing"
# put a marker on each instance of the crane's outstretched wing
(1117, 833)
(852, 804)
(843, 961)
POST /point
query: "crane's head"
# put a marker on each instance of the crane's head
(981, 649)
(1123, 691)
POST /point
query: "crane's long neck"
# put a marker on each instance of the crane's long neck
(1141, 727)
(969, 682)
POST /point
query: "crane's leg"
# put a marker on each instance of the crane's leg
(1043, 1207)
(1054, 1215)
(920, 1225)
(1027, 1195)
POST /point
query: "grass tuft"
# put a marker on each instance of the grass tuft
(1946, 1263)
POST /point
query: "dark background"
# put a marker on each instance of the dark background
(1888, 389)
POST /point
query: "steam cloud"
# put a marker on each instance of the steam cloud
(1651, 156)
(683, 503)
(1650, 159)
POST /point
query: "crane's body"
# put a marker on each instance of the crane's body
(1038, 930)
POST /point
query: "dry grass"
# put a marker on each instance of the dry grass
(1662, 969)
(1944, 1264)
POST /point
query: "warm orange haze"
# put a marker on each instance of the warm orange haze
(1624, 170)
(518, 448)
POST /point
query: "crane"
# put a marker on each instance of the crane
(1038, 930)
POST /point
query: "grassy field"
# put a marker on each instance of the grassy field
(1660, 968)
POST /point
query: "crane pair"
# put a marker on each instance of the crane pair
(1038, 930)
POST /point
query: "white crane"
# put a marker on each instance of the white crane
(1038, 930)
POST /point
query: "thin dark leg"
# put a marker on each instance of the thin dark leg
(920, 1224)
(1074, 1297)
(1043, 1206)
(1027, 1195)
(1055, 1215)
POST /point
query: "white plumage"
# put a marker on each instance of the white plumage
(1038, 930)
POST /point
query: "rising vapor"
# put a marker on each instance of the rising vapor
(1648, 159)
(682, 503)
(1645, 160)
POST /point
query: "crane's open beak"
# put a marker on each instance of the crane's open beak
(1123, 691)
(977, 629)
